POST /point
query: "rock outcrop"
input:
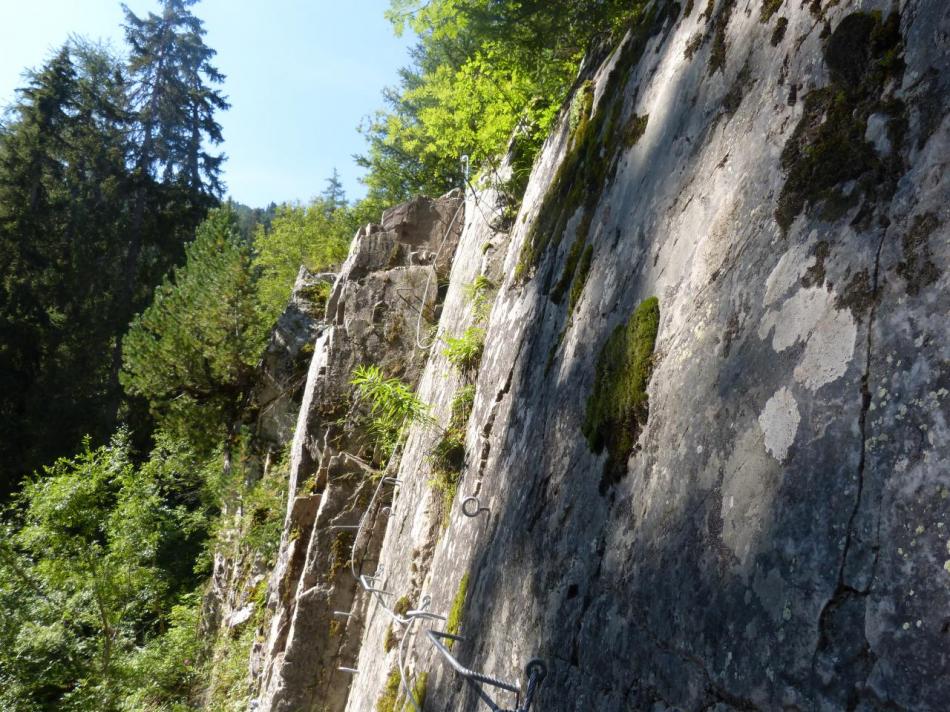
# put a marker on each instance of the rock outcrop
(385, 295)
(733, 496)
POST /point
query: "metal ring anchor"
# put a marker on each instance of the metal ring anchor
(471, 507)
(535, 671)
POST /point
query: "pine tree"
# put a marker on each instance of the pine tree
(192, 354)
(334, 196)
(176, 180)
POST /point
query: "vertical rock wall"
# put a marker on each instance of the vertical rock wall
(778, 536)
(768, 527)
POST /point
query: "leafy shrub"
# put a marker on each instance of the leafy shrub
(465, 351)
(393, 407)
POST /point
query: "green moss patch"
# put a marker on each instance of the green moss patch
(388, 700)
(618, 407)
(340, 552)
(717, 55)
(448, 455)
(827, 148)
(778, 34)
(634, 130)
(570, 266)
(769, 8)
(594, 149)
(454, 622)
(420, 688)
(583, 269)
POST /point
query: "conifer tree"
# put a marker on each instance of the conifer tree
(334, 196)
(176, 180)
(63, 188)
(193, 352)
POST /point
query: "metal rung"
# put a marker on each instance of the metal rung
(351, 671)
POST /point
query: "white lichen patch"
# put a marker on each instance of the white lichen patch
(829, 349)
(789, 270)
(829, 335)
(779, 422)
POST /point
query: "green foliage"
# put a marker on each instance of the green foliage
(192, 354)
(393, 407)
(316, 236)
(63, 184)
(104, 174)
(95, 610)
(484, 72)
(173, 98)
(480, 294)
(454, 622)
(618, 406)
(465, 351)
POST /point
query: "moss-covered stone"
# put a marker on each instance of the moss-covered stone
(388, 700)
(419, 690)
(634, 130)
(570, 267)
(594, 149)
(340, 552)
(448, 455)
(717, 55)
(453, 623)
(389, 640)
(401, 607)
(778, 34)
(618, 407)
(828, 148)
(769, 8)
(580, 280)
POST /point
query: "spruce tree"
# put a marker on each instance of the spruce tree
(176, 180)
(63, 188)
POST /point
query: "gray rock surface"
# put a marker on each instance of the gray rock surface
(780, 538)
(373, 317)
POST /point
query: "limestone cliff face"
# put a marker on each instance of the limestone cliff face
(765, 526)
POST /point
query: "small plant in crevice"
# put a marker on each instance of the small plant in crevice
(393, 407)
(618, 406)
(480, 294)
(447, 457)
(465, 351)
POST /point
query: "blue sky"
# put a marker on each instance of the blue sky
(301, 74)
